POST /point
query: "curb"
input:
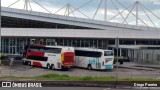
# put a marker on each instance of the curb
(148, 67)
(137, 68)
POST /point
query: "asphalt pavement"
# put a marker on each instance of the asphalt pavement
(18, 69)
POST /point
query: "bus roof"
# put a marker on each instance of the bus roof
(90, 49)
(39, 45)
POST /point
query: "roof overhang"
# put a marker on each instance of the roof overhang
(80, 33)
(46, 17)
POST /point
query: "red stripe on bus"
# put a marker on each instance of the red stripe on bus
(38, 64)
(36, 53)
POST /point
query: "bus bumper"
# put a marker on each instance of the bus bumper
(108, 67)
(67, 66)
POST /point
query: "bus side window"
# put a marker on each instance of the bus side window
(87, 53)
(79, 53)
(98, 54)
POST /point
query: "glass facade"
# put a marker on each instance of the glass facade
(13, 45)
(16, 45)
(101, 44)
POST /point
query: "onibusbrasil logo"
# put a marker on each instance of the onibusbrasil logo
(15, 84)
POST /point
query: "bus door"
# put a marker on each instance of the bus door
(95, 58)
(98, 64)
(98, 56)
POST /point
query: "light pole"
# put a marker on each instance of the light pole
(117, 47)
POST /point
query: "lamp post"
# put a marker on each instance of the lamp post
(117, 47)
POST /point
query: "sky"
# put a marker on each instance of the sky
(114, 7)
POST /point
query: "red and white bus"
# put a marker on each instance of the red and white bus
(51, 57)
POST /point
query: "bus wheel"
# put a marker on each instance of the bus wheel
(89, 67)
(24, 63)
(52, 67)
(48, 66)
(29, 63)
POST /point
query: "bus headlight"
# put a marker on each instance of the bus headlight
(107, 60)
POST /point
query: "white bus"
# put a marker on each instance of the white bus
(94, 58)
(51, 57)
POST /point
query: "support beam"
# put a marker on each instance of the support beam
(137, 2)
(68, 6)
(105, 10)
(97, 10)
(26, 2)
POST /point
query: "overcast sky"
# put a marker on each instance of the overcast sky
(90, 9)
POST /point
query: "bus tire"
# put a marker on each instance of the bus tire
(52, 67)
(29, 63)
(24, 63)
(89, 67)
(48, 66)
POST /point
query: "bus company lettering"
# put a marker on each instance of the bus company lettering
(51, 55)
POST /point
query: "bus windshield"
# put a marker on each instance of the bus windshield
(108, 53)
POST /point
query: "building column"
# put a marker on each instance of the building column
(102, 44)
(71, 42)
(37, 41)
(97, 44)
(120, 50)
(106, 44)
(80, 42)
(89, 43)
(135, 42)
(63, 42)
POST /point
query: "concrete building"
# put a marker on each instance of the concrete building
(22, 27)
